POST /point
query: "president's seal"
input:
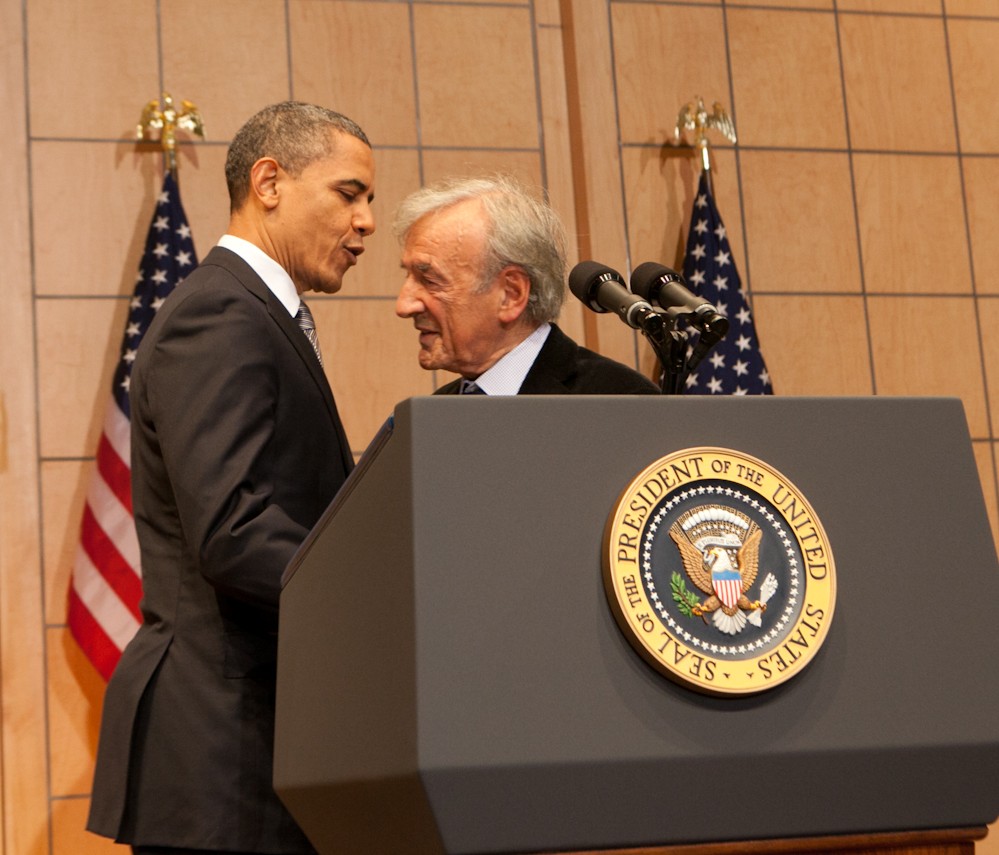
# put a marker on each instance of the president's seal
(719, 572)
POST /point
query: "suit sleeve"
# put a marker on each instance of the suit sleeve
(213, 385)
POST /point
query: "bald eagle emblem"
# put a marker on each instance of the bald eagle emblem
(720, 549)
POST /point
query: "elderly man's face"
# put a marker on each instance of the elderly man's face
(460, 330)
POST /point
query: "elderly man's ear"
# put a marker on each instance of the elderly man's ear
(516, 290)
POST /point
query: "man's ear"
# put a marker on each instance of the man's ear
(264, 180)
(516, 285)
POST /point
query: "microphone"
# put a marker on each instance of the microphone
(603, 290)
(664, 287)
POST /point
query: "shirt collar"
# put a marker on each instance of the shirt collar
(507, 375)
(275, 277)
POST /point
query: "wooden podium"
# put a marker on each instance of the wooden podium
(451, 678)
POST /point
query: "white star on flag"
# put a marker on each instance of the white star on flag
(736, 366)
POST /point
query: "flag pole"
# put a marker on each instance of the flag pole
(103, 611)
(163, 116)
(736, 365)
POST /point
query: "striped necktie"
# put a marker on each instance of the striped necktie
(308, 326)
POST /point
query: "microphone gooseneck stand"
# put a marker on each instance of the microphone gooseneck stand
(670, 346)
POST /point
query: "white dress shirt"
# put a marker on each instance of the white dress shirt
(275, 277)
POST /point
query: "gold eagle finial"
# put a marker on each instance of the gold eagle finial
(164, 117)
(694, 116)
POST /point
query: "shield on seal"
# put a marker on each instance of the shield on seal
(727, 584)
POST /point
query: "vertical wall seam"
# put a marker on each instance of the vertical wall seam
(538, 94)
(746, 275)
(636, 355)
(40, 526)
(853, 195)
(979, 326)
(288, 49)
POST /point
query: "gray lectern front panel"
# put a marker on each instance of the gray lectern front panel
(453, 680)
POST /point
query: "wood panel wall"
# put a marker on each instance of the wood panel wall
(861, 203)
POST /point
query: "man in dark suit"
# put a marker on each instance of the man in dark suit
(485, 279)
(237, 448)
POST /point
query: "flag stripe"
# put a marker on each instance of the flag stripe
(115, 520)
(109, 562)
(101, 650)
(106, 588)
(115, 473)
(102, 601)
(118, 431)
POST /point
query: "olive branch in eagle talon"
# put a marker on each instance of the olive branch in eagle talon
(685, 600)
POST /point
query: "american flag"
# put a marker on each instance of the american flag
(107, 580)
(735, 365)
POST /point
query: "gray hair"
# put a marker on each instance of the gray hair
(295, 134)
(523, 232)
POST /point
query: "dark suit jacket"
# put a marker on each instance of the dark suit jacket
(237, 449)
(564, 368)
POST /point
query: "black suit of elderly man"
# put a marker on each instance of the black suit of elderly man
(485, 280)
(237, 448)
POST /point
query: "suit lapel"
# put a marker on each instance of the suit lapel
(451, 388)
(289, 326)
(549, 373)
(299, 341)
